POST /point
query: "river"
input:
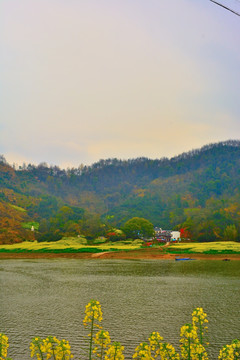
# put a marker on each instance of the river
(48, 297)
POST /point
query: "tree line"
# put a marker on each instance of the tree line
(197, 191)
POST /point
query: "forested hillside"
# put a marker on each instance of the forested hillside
(198, 191)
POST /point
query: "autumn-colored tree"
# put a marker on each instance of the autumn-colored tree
(11, 230)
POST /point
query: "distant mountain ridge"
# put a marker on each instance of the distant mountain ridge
(198, 190)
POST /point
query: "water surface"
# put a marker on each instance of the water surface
(48, 297)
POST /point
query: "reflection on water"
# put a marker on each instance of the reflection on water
(48, 297)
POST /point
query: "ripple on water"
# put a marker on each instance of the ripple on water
(48, 297)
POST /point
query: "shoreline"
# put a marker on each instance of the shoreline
(146, 254)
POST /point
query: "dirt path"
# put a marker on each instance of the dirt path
(99, 255)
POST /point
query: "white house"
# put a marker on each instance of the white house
(175, 235)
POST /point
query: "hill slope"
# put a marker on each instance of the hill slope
(198, 190)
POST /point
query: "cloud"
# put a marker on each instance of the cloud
(86, 80)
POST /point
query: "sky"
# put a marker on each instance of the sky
(84, 80)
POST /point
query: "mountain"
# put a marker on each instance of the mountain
(198, 190)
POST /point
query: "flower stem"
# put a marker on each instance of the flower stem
(91, 338)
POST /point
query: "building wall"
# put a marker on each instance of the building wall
(175, 235)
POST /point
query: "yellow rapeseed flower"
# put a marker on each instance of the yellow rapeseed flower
(93, 316)
(102, 341)
(37, 348)
(63, 351)
(93, 311)
(163, 350)
(190, 345)
(168, 352)
(49, 348)
(230, 352)
(188, 331)
(115, 352)
(155, 339)
(143, 352)
(3, 346)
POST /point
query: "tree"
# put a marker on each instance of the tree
(91, 226)
(230, 233)
(138, 228)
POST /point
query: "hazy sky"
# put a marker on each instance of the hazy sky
(83, 80)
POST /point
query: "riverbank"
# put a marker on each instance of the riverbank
(128, 249)
(140, 254)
